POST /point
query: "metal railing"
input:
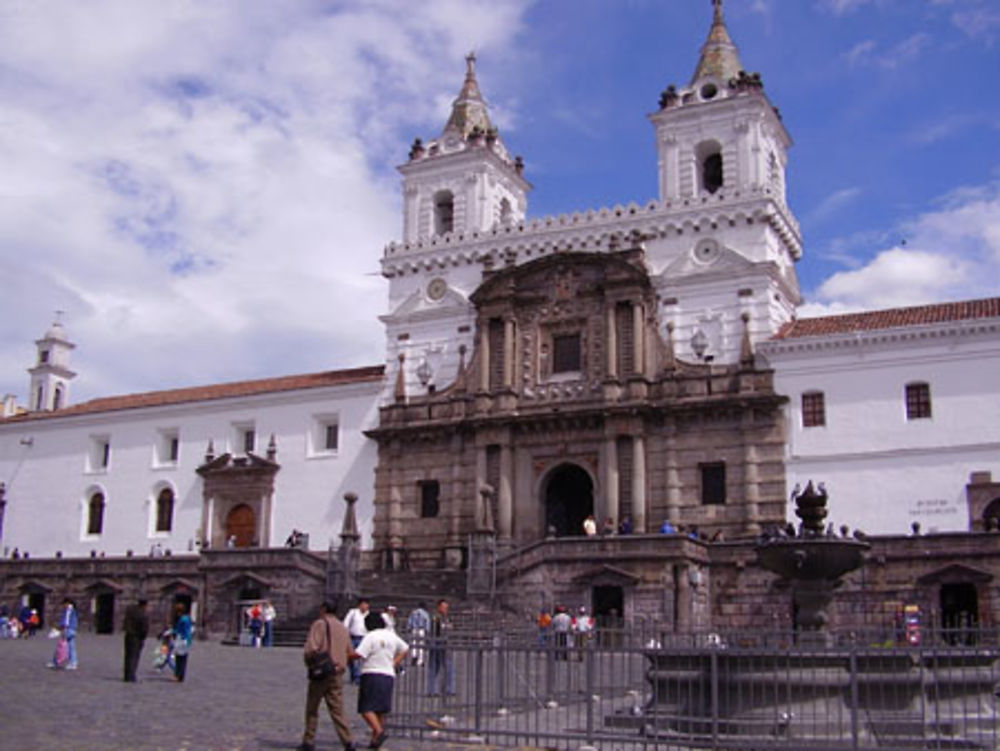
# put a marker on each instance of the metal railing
(615, 692)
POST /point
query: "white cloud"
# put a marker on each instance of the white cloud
(833, 204)
(206, 188)
(950, 253)
(840, 7)
(902, 53)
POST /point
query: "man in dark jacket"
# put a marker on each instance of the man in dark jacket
(136, 627)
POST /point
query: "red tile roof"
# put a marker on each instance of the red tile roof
(214, 391)
(893, 318)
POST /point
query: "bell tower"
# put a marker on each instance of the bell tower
(464, 181)
(51, 375)
(720, 134)
(728, 264)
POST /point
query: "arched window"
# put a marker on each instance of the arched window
(709, 154)
(165, 510)
(39, 399)
(506, 214)
(95, 514)
(57, 398)
(444, 212)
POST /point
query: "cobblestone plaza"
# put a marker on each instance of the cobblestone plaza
(233, 699)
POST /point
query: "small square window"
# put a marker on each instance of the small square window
(167, 451)
(813, 409)
(713, 483)
(244, 437)
(566, 353)
(430, 498)
(918, 401)
(323, 439)
(99, 457)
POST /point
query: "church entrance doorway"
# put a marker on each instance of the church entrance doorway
(569, 499)
(241, 526)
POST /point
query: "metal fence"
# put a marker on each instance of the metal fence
(623, 691)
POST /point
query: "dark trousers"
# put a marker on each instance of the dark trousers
(133, 647)
(180, 666)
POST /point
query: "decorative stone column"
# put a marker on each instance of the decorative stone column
(484, 355)
(453, 544)
(508, 353)
(505, 501)
(751, 479)
(639, 484)
(611, 345)
(638, 340)
(673, 477)
(611, 500)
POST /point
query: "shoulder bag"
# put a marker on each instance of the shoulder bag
(319, 664)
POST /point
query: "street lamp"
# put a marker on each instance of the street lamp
(424, 373)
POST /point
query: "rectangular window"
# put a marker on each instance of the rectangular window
(244, 438)
(249, 440)
(324, 435)
(625, 338)
(713, 483)
(813, 409)
(168, 448)
(430, 498)
(918, 401)
(99, 456)
(566, 353)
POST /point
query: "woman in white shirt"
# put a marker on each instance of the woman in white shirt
(382, 651)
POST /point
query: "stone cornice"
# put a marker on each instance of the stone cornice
(593, 230)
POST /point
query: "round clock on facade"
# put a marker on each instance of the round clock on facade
(706, 250)
(436, 288)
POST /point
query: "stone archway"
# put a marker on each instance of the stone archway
(569, 499)
(241, 525)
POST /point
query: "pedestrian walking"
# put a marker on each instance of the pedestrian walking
(382, 653)
(354, 621)
(440, 665)
(68, 624)
(183, 637)
(135, 627)
(327, 634)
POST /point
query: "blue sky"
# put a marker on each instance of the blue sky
(206, 186)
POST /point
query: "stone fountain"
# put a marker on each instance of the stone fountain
(813, 562)
(810, 690)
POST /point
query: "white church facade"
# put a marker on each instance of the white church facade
(648, 357)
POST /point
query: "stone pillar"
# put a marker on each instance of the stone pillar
(639, 484)
(611, 477)
(453, 545)
(638, 340)
(751, 479)
(673, 478)
(611, 345)
(683, 598)
(508, 353)
(505, 500)
(484, 355)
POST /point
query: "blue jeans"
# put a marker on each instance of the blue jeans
(438, 658)
(356, 664)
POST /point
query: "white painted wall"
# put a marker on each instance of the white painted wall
(44, 465)
(882, 471)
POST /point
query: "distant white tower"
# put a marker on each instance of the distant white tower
(51, 375)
